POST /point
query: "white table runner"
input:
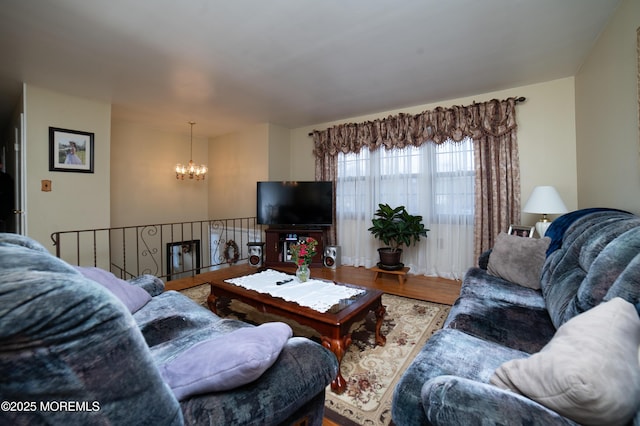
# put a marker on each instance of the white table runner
(315, 294)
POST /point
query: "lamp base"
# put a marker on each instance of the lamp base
(541, 227)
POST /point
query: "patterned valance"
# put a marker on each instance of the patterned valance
(491, 118)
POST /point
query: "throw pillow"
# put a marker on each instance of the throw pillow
(133, 297)
(589, 371)
(518, 259)
(227, 361)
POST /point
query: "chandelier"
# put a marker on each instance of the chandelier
(192, 170)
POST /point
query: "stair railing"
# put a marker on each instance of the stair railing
(167, 250)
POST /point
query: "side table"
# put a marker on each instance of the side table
(401, 273)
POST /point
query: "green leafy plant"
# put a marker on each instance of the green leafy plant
(396, 227)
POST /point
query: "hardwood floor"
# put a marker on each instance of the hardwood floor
(431, 289)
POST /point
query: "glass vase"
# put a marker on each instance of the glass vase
(302, 273)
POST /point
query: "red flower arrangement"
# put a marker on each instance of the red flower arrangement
(303, 252)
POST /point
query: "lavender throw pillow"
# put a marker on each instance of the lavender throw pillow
(133, 297)
(227, 361)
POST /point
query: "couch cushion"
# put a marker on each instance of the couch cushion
(224, 363)
(596, 262)
(518, 259)
(171, 321)
(133, 297)
(480, 284)
(447, 352)
(524, 328)
(589, 372)
(149, 283)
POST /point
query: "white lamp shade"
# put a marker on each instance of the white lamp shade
(545, 200)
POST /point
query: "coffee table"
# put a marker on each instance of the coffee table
(333, 325)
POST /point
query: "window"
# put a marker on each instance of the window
(446, 170)
(434, 181)
(454, 180)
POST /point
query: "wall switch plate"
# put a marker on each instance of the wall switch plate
(46, 185)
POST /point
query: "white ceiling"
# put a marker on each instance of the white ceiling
(226, 64)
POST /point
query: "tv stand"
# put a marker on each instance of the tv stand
(278, 240)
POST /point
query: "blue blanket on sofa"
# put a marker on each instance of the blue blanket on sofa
(560, 225)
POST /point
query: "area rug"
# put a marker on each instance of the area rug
(371, 371)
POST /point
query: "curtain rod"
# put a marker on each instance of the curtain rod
(518, 100)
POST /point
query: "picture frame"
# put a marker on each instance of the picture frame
(183, 259)
(521, 230)
(70, 150)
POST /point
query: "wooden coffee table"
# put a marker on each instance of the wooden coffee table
(333, 325)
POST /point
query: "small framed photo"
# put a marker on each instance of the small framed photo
(70, 151)
(521, 231)
(183, 259)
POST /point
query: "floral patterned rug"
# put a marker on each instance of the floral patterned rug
(371, 371)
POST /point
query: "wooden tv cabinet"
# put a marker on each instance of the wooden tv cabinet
(278, 240)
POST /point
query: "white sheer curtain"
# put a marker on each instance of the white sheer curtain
(435, 181)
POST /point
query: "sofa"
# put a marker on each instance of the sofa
(79, 346)
(546, 331)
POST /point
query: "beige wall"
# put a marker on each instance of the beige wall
(302, 159)
(279, 153)
(146, 156)
(546, 137)
(237, 161)
(144, 188)
(607, 116)
(77, 200)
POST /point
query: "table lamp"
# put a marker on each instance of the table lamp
(544, 200)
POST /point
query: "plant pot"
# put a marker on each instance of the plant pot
(390, 258)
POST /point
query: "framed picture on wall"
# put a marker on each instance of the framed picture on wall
(70, 151)
(183, 259)
(521, 231)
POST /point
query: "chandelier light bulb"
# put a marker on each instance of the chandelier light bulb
(192, 170)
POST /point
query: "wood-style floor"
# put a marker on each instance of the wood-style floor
(431, 289)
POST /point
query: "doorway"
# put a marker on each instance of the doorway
(12, 179)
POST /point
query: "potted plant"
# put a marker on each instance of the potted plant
(395, 227)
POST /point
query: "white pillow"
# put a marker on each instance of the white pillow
(589, 371)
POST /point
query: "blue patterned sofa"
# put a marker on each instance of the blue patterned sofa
(565, 353)
(74, 351)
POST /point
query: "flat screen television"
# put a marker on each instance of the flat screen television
(295, 203)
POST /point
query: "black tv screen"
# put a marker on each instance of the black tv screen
(295, 203)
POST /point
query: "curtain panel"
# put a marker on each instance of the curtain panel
(491, 125)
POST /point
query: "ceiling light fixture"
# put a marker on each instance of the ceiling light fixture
(191, 169)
